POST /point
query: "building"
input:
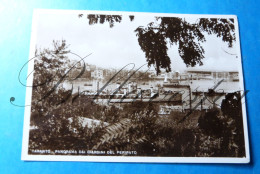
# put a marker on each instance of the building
(97, 74)
(212, 75)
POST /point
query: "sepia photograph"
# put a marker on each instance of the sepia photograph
(135, 87)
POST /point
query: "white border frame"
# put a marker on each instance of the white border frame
(26, 156)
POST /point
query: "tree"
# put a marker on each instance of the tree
(231, 108)
(56, 123)
(155, 38)
(231, 105)
(214, 135)
(211, 124)
(49, 67)
(224, 128)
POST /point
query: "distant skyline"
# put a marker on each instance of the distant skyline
(118, 46)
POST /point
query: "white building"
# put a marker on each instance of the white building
(97, 74)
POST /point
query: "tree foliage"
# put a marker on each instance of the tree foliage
(224, 127)
(132, 17)
(157, 36)
(231, 105)
(231, 108)
(49, 67)
(211, 124)
(111, 19)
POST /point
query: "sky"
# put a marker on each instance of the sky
(118, 46)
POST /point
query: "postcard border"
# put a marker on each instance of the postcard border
(25, 156)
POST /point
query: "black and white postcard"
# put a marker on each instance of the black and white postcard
(135, 87)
